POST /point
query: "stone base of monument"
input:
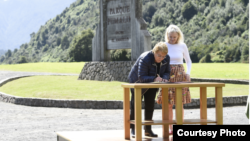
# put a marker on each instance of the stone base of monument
(105, 135)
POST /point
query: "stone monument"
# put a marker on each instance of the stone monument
(121, 26)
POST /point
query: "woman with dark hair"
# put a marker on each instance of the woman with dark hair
(151, 66)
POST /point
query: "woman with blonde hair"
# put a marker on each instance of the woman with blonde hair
(177, 50)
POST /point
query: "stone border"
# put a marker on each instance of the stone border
(232, 81)
(105, 104)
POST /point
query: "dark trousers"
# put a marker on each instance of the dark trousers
(149, 101)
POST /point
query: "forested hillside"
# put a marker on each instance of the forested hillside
(214, 30)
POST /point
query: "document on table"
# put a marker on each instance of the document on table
(169, 82)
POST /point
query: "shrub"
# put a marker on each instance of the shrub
(194, 56)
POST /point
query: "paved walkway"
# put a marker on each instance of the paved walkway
(19, 123)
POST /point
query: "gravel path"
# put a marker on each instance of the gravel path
(19, 123)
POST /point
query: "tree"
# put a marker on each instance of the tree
(22, 60)
(32, 34)
(245, 2)
(245, 54)
(248, 11)
(2, 58)
(188, 10)
(65, 42)
(194, 56)
(120, 55)
(15, 50)
(8, 53)
(149, 12)
(206, 59)
(81, 48)
(228, 56)
(57, 18)
(58, 41)
(45, 48)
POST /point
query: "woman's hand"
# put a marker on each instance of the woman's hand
(164, 80)
(188, 78)
(158, 79)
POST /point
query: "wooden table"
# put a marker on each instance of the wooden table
(178, 107)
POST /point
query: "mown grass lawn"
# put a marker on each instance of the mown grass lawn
(73, 67)
(68, 87)
(199, 70)
(220, 70)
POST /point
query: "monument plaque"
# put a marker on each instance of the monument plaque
(118, 24)
(121, 26)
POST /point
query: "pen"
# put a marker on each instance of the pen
(159, 76)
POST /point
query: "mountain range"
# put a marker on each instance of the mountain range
(214, 31)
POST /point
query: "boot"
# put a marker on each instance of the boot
(133, 132)
(149, 132)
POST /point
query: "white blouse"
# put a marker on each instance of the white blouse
(177, 52)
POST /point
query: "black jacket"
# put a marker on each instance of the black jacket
(144, 69)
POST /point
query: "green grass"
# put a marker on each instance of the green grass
(74, 67)
(68, 87)
(199, 70)
(63, 87)
(220, 70)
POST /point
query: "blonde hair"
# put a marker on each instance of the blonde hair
(161, 46)
(176, 29)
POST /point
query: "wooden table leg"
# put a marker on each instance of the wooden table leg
(219, 105)
(138, 121)
(178, 106)
(126, 108)
(203, 104)
(165, 113)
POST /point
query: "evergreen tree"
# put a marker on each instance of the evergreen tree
(22, 60)
(8, 53)
(65, 42)
(188, 10)
(81, 48)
